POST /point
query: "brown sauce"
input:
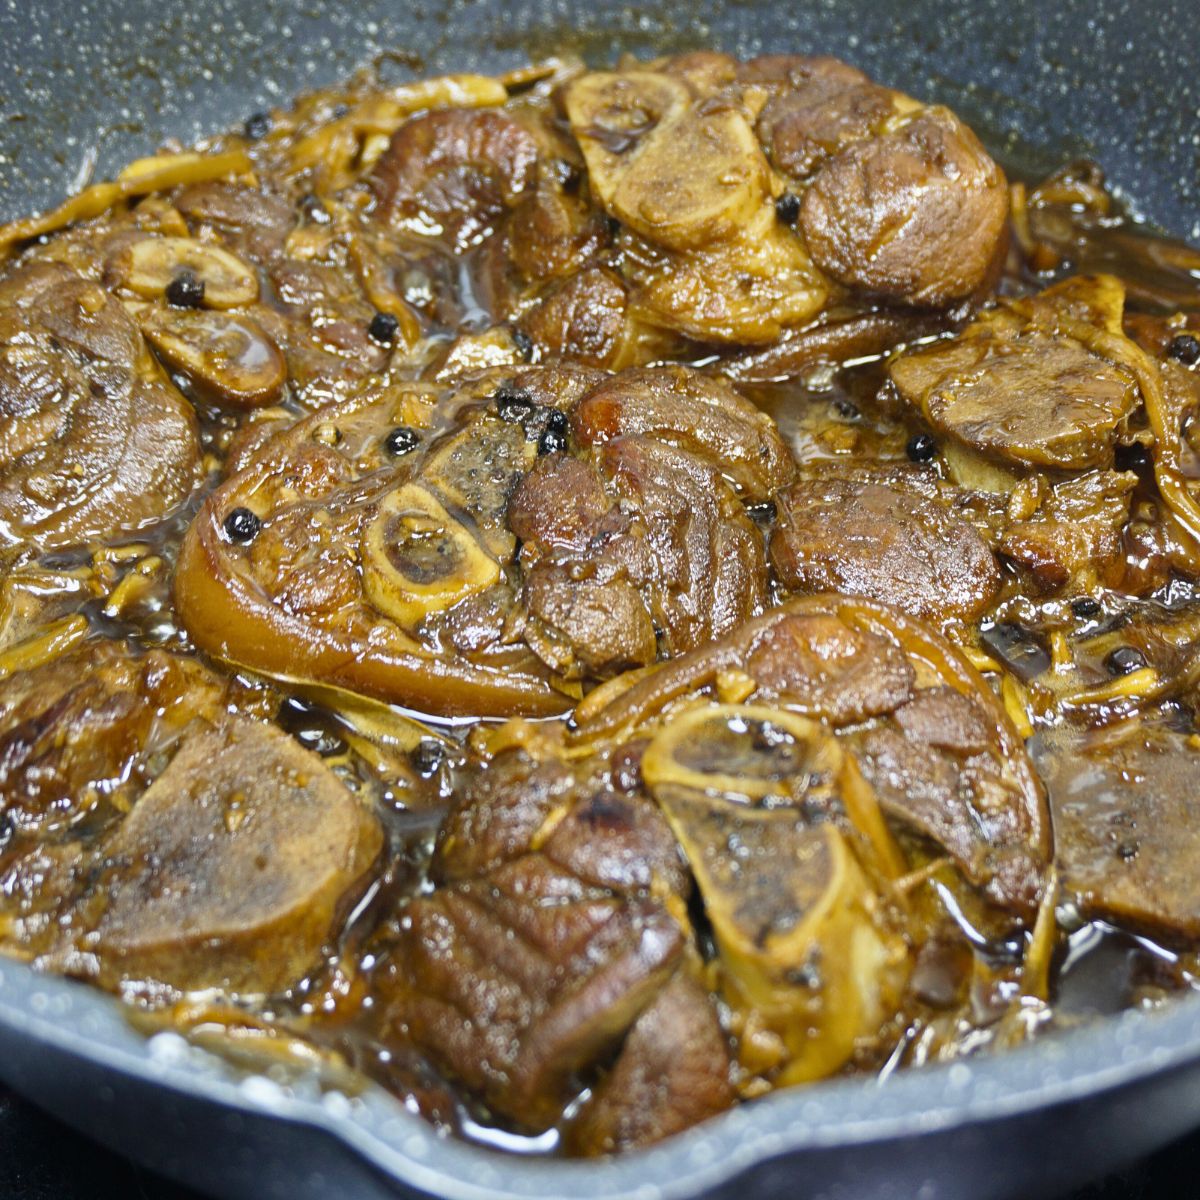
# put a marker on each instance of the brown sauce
(1051, 651)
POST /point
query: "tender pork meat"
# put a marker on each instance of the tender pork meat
(74, 730)
(1040, 382)
(461, 548)
(938, 751)
(822, 666)
(1073, 539)
(451, 174)
(250, 220)
(818, 107)
(95, 440)
(546, 940)
(889, 199)
(672, 1073)
(873, 540)
(698, 413)
(673, 549)
(151, 837)
(1125, 820)
(234, 868)
(914, 214)
(580, 820)
(583, 317)
(938, 766)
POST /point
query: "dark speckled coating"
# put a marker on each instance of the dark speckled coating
(1115, 79)
(1118, 81)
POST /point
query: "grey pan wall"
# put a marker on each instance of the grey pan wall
(1119, 81)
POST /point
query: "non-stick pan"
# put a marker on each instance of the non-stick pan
(87, 85)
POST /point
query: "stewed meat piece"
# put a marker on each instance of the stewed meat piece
(234, 868)
(1038, 382)
(483, 546)
(1124, 804)
(869, 539)
(95, 440)
(164, 841)
(551, 932)
(927, 734)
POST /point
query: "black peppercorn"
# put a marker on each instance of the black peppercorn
(1124, 660)
(1185, 348)
(1085, 607)
(524, 344)
(787, 208)
(551, 442)
(428, 756)
(921, 448)
(257, 125)
(242, 525)
(383, 327)
(1134, 457)
(185, 290)
(402, 440)
(514, 404)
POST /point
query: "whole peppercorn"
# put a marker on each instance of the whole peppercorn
(787, 208)
(242, 525)
(185, 290)
(921, 448)
(257, 125)
(428, 756)
(523, 343)
(514, 404)
(1185, 348)
(383, 327)
(551, 441)
(402, 440)
(1124, 660)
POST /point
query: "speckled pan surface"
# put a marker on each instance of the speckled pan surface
(86, 85)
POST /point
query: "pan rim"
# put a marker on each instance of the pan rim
(1112, 1053)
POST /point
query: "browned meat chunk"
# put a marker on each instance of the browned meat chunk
(872, 540)
(252, 221)
(582, 318)
(938, 750)
(915, 214)
(520, 978)
(818, 107)
(939, 767)
(576, 818)
(73, 730)
(1018, 390)
(234, 868)
(452, 173)
(94, 438)
(1075, 536)
(1125, 823)
(387, 530)
(698, 413)
(672, 1073)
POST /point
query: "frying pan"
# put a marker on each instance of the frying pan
(86, 86)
